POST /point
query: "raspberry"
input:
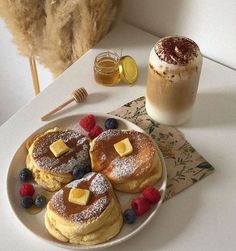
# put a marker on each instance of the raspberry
(26, 189)
(88, 122)
(95, 131)
(152, 195)
(140, 205)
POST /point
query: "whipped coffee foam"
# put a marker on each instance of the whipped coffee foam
(171, 62)
(176, 50)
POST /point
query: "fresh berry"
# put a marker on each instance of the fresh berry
(25, 175)
(95, 131)
(129, 216)
(27, 201)
(152, 195)
(88, 122)
(78, 173)
(26, 189)
(81, 169)
(140, 206)
(111, 123)
(40, 201)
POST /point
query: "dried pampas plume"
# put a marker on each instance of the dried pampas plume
(58, 32)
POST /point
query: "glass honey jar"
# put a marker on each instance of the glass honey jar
(110, 69)
(106, 68)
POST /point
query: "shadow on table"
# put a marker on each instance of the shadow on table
(166, 225)
(173, 219)
(214, 109)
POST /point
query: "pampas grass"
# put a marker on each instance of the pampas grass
(57, 32)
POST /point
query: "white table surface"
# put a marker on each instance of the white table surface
(200, 218)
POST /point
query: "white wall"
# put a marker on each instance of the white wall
(16, 87)
(210, 23)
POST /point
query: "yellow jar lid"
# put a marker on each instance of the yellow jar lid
(128, 69)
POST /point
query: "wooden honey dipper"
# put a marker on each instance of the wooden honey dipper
(78, 96)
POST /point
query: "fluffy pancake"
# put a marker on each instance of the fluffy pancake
(94, 223)
(53, 172)
(130, 173)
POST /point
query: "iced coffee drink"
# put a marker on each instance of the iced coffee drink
(173, 75)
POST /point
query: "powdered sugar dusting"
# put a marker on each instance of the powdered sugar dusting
(92, 211)
(47, 161)
(99, 184)
(79, 151)
(88, 176)
(57, 202)
(75, 183)
(81, 141)
(140, 159)
(123, 167)
(52, 136)
(110, 133)
(66, 167)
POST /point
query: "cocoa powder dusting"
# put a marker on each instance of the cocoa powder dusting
(176, 50)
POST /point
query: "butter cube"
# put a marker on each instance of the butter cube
(79, 196)
(58, 148)
(123, 147)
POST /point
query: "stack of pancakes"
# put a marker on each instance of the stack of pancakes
(53, 172)
(90, 224)
(100, 219)
(131, 173)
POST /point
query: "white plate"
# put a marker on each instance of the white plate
(35, 223)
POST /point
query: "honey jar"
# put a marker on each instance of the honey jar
(110, 68)
(106, 68)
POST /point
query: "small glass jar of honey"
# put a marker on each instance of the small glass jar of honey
(106, 68)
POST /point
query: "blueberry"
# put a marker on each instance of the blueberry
(27, 201)
(81, 169)
(25, 174)
(40, 201)
(129, 216)
(78, 173)
(111, 123)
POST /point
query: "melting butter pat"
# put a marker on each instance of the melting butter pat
(58, 148)
(123, 147)
(79, 196)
